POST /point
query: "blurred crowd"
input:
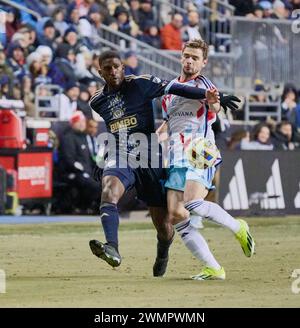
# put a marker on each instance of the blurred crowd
(62, 47)
(276, 9)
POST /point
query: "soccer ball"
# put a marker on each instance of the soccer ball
(202, 153)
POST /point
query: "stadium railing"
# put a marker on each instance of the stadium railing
(265, 110)
(47, 102)
(151, 60)
(214, 23)
(21, 7)
(265, 49)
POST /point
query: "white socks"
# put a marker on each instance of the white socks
(214, 212)
(194, 241)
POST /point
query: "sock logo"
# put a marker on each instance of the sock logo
(103, 214)
(237, 197)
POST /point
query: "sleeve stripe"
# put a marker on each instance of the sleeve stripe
(169, 86)
(97, 93)
(210, 84)
(204, 82)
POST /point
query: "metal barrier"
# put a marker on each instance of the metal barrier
(21, 7)
(151, 60)
(268, 109)
(214, 20)
(265, 49)
(47, 101)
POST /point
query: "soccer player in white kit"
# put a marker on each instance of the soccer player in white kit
(188, 186)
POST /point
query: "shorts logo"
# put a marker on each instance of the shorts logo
(125, 123)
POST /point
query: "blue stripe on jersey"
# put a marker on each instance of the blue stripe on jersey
(206, 115)
(207, 81)
(204, 82)
(169, 86)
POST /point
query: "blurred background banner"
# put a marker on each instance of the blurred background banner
(260, 183)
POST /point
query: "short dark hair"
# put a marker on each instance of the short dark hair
(108, 54)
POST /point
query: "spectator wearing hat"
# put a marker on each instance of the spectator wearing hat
(75, 162)
(258, 11)
(171, 33)
(66, 63)
(72, 16)
(16, 59)
(38, 69)
(124, 24)
(68, 100)
(71, 38)
(146, 13)
(131, 63)
(280, 10)
(151, 35)
(47, 33)
(267, 8)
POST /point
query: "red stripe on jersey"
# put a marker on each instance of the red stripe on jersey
(200, 111)
(164, 105)
(210, 115)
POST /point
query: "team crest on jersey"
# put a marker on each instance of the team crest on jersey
(116, 106)
(118, 113)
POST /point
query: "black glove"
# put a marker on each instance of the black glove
(229, 102)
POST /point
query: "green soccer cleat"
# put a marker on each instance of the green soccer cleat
(245, 239)
(106, 252)
(210, 274)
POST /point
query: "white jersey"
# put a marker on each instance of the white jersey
(187, 118)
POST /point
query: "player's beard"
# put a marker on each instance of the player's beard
(188, 74)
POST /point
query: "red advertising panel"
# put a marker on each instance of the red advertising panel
(8, 162)
(35, 175)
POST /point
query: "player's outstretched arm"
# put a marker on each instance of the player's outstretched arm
(186, 91)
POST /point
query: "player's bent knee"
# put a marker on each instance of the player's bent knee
(177, 215)
(112, 189)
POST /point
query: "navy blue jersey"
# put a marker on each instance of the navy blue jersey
(131, 106)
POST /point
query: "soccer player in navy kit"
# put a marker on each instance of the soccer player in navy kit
(125, 102)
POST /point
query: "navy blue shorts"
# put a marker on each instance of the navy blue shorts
(148, 182)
